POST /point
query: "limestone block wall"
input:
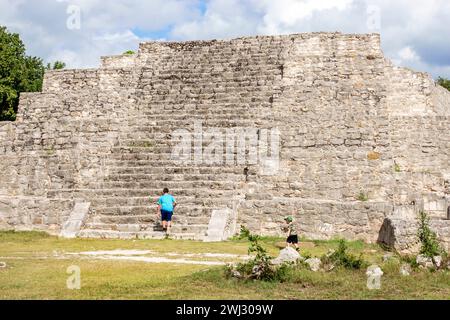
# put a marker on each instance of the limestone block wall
(358, 137)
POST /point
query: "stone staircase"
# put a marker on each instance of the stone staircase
(171, 96)
(139, 166)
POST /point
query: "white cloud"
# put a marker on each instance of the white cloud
(284, 15)
(408, 54)
(107, 27)
(412, 31)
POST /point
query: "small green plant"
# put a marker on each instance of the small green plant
(341, 258)
(258, 268)
(411, 260)
(397, 167)
(363, 197)
(50, 151)
(141, 144)
(57, 65)
(443, 82)
(129, 52)
(428, 239)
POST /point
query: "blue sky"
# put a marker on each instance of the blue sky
(413, 32)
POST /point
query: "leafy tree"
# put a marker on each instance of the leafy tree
(444, 82)
(129, 52)
(18, 73)
(57, 65)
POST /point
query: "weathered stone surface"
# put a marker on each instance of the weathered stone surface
(424, 261)
(345, 117)
(76, 220)
(288, 254)
(219, 225)
(405, 269)
(374, 270)
(314, 264)
(437, 260)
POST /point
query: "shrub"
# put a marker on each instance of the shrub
(444, 83)
(129, 52)
(428, 239)
(341, 258)
(258, 268)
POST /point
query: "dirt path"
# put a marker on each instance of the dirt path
(147, 256)
(154, 257)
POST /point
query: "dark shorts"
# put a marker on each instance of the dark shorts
(166, 215)
(292, 239)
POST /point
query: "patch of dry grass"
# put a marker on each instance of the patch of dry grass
(35, 272)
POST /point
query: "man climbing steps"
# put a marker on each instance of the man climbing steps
(166, 205)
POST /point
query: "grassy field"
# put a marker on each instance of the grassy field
(37, 265)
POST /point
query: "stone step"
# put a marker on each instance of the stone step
(147, 213)
(182, 196)
(152, 144)
(157, 227)
(169, 127)
(173, 170)
(144, 162)
(183, 187)
(198, 114)
(109, 234)
(179, 187)
(167, 157)
(166, 146)
(204, 178)
(183, 202)
(148, 216)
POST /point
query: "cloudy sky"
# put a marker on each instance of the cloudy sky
(414, 32)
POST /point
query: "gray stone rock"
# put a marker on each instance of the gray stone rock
(437, 260)
(405, 269)
(2, 265)
(76, 220)
(374, 270)
(314, 264)
(236, 274)
(287, 255)
(424, 262)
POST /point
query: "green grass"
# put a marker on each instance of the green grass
(35, 272)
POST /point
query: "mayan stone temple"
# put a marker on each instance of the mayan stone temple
(242, 132)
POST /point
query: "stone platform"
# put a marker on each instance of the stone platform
(358, 139)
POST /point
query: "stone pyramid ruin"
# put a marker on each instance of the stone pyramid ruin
(320, 126)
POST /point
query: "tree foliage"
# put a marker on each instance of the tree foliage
(18, 73)
(444, 82)
(57, 65)
(429, 244)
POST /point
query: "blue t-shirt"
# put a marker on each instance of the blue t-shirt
(166, 202)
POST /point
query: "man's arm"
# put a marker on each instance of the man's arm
(158, 210)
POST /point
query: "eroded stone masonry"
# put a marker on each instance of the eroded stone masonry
(364, 145)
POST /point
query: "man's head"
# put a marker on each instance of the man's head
(166, 190)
